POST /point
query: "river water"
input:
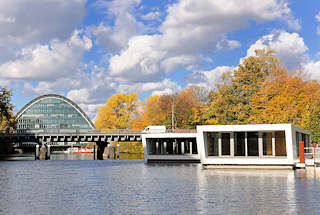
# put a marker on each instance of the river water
(133, 187)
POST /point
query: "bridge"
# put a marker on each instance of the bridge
(44, 138)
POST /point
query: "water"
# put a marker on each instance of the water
(132, 187)
(122, 156)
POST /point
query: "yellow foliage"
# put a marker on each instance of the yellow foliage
(118, 112)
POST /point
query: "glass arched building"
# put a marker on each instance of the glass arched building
(52, 113)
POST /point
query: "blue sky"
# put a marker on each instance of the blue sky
(90, 50)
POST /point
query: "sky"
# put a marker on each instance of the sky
(91, 50)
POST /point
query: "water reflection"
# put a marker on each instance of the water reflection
(133, 187)
(67, 156)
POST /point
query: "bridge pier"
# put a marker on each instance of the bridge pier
(43, 152)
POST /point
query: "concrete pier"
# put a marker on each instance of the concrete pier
(43, 153)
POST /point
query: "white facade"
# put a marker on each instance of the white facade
(223, 151)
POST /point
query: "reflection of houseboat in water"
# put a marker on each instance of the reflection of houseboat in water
(225, 146)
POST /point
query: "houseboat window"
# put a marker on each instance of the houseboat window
(170, 147)
(267, 143)
(280, 143)
(152, 146)
(213, 144)
(253, 143)
(194, 147)
(239, 143)
(225, 143)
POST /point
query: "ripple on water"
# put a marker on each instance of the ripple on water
(132, 187)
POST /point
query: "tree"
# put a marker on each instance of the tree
(313, 121)
(188, 108)
(7, 119)
(231, 104)
(190, 104)
(118, 113)
(288, 99)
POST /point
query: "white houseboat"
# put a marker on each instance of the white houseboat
(224, 146)
(162, 146)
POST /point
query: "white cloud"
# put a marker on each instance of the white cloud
(313, 69)
(209, 79)
(23, 22)
(54, 86)
(153, 15)
(47, 62)
(191, 30)
(318, 17)
(91, 98)
(91, 109)
(97, 87)
(114, 38)
(289, 48)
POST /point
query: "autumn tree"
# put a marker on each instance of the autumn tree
(118, 113)
(285, 98)
(190, 105)
(188, 108)
(7, 119)
(231, 103)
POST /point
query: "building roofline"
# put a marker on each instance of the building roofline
(37, 99)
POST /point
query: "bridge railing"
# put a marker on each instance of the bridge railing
(77, 131)
(72, 131)
(116, 131)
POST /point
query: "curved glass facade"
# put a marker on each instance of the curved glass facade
(52, 113)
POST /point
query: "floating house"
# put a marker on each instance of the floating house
(264, 145)
(162, 146)
(224, 146)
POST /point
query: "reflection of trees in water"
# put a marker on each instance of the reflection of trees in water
(124, 156)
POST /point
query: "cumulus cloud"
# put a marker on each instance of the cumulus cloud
(190, 30)
(47, 62)
(23, 22)
(114, 38)
(210, 78)
(313, 69)
(289, 48)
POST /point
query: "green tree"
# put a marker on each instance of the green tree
(7, 119)
(231, 103)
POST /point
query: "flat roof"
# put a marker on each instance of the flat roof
(249, 127)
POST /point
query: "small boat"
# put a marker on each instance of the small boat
(83, 151)
(71, 150)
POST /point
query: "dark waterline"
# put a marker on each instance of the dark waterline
(133, 187)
